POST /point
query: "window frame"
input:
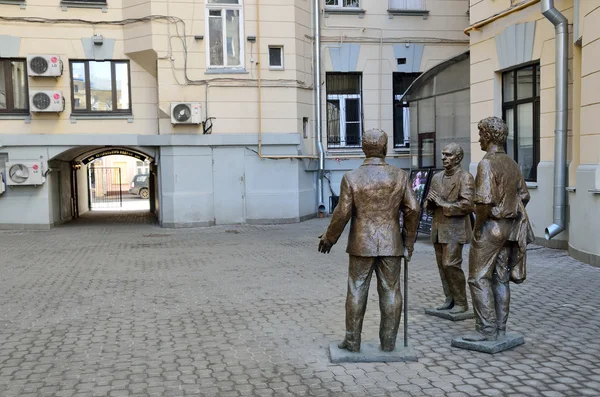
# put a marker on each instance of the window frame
(342, 121)
(86, 2)
(513, 104)
(101, 4)
(421, 7)
(340, 5)
(224, 7)
(398, 104)
(113, 85)
(276, 67)
(10, 98)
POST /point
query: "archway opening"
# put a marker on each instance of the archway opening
(118, 180)
(109, 184)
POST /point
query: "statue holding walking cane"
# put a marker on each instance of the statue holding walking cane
(372, 197)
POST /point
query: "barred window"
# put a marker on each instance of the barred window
(344, 110)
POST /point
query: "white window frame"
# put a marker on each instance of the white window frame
(405, 122)
(276, 67)
(224, 8)
(342, 98)
(340, 4)
(417, 5)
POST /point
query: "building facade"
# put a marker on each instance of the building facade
(516, 67)
(373, 50)
(217, 95)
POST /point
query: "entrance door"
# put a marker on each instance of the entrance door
(427, 150)
(229, 185)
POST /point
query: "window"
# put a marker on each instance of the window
(401, 109)
(427, 151)
(14, 97)
(305, 127)
(224, 31)
(84, 2)
(275, 57)
(417, 5)
(521, 112)
(344, 110)
(342, 3)
(142, 167)
(100, 87)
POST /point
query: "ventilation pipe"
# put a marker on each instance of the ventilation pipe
(318, 113)
(561, 25)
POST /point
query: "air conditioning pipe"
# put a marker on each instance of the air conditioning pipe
(561, 25)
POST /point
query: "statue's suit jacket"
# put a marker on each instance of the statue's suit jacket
(373, 196)
(452, 223)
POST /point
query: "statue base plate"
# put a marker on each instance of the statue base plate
(371, 353)
(445, 314)
(509, 341)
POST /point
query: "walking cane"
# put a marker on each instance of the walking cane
(406, 260)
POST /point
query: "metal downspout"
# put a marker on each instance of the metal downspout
(318, 109)
(561, 25)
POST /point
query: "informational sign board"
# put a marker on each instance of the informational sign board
(111, 152)
(420, 181)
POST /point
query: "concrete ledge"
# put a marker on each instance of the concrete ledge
(554, 244)
(371, 353)
(307, 217)
(184, 225)
(276, 221)
(148, 140)
(585, 257)
(25, 226)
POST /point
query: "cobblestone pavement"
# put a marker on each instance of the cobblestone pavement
(102, 308)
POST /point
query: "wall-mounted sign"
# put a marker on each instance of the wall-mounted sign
(113, 152)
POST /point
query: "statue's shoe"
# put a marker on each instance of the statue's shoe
(448, 304)
(351, 347)
(459, 309)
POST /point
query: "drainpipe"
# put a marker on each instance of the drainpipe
(318, 109)
(561, 25)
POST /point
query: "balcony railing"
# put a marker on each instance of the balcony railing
(407, 5)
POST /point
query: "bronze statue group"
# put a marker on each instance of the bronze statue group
(373, 196)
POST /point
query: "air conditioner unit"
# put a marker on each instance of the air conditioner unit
(20, 173)
(46, 101)
(186, 113)
(44, 65)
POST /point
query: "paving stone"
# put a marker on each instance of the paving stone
(121, 307)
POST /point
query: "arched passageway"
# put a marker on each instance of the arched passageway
(105, 184)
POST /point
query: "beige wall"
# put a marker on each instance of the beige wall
(584, 104)
(486, 78)
(441, 33)
(590, 83)
(157, 66)
(157, 53)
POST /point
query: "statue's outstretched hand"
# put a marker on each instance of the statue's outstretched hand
(324, 245)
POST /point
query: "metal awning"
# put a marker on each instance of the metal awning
(424, 78)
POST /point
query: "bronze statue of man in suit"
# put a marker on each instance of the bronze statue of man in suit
(501, 233)
(373, 197)
(450, 199)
